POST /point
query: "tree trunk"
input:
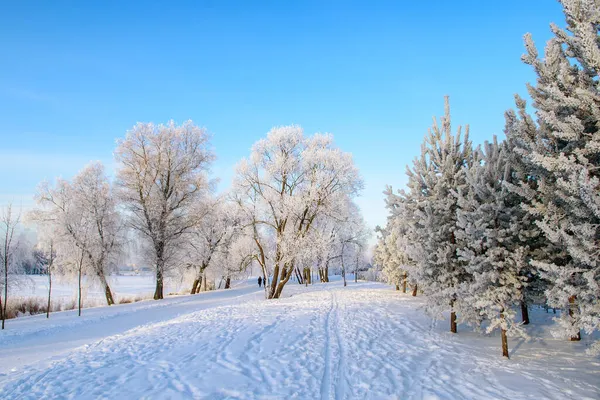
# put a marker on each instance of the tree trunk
(49, 292)
(1, 312)
(404, 284)
(453, 322)
(524, 313)
(572, 305)
(397, 287)
(5, 284)
(200, 283)
(109, 297)
(504, 344)
(204, 282)
(107, 292)
(228, 282)
(306, 278)
(414, 293)
(286, 274)
(158, 292)
(195, 286)
(265, 284)
(356, 270)
(452, 318)
(343, 267)
(79, 289)
(298, 277)
(273, 287)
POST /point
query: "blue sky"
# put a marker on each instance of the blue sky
(75, 76)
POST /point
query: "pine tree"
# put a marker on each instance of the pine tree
(427, 212)
(563, 152)
(497, 233)
(391, 259)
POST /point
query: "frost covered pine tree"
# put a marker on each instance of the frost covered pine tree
(428, 212)
(563, 151)
(162, 174)
(496, 233)
(391, 258)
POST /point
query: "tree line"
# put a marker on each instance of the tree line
(290, 211)
(486, 231)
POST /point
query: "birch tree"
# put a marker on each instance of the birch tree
(162, 174)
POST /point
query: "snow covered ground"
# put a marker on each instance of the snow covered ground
(64, 291)
(320, 342)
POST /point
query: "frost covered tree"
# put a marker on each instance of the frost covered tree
(46, 259)
(499, 239)
(352, 237)
(11, 253)
(209, 240)
(162, 174)
(562, 149)
(391, 258)
(427, 211)
(290, 182)
(334, 242)
(83, 213)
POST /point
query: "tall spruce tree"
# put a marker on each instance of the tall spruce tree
(498, 237)
(563, 152)
(428, 212)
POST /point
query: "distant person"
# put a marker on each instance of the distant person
(259, 281)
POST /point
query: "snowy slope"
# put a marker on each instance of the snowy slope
(321, 342)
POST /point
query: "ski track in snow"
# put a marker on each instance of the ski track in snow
(329, 342)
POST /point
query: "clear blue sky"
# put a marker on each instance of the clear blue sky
(74, 76)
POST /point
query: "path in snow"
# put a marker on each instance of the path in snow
(323, 342)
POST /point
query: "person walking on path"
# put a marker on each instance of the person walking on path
(259, 281)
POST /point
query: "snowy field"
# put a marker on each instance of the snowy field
(364, 341)
(64, 291)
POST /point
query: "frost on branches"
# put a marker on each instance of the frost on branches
(161, 176)
(563, 152)
(209, 242)
(498, 239)
(84, 223)
(12, 253)
(390, 258)
(427, 215)
(283, 190)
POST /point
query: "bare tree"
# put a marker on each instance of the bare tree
(8, 252)
(46, 257)
(162, 174)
